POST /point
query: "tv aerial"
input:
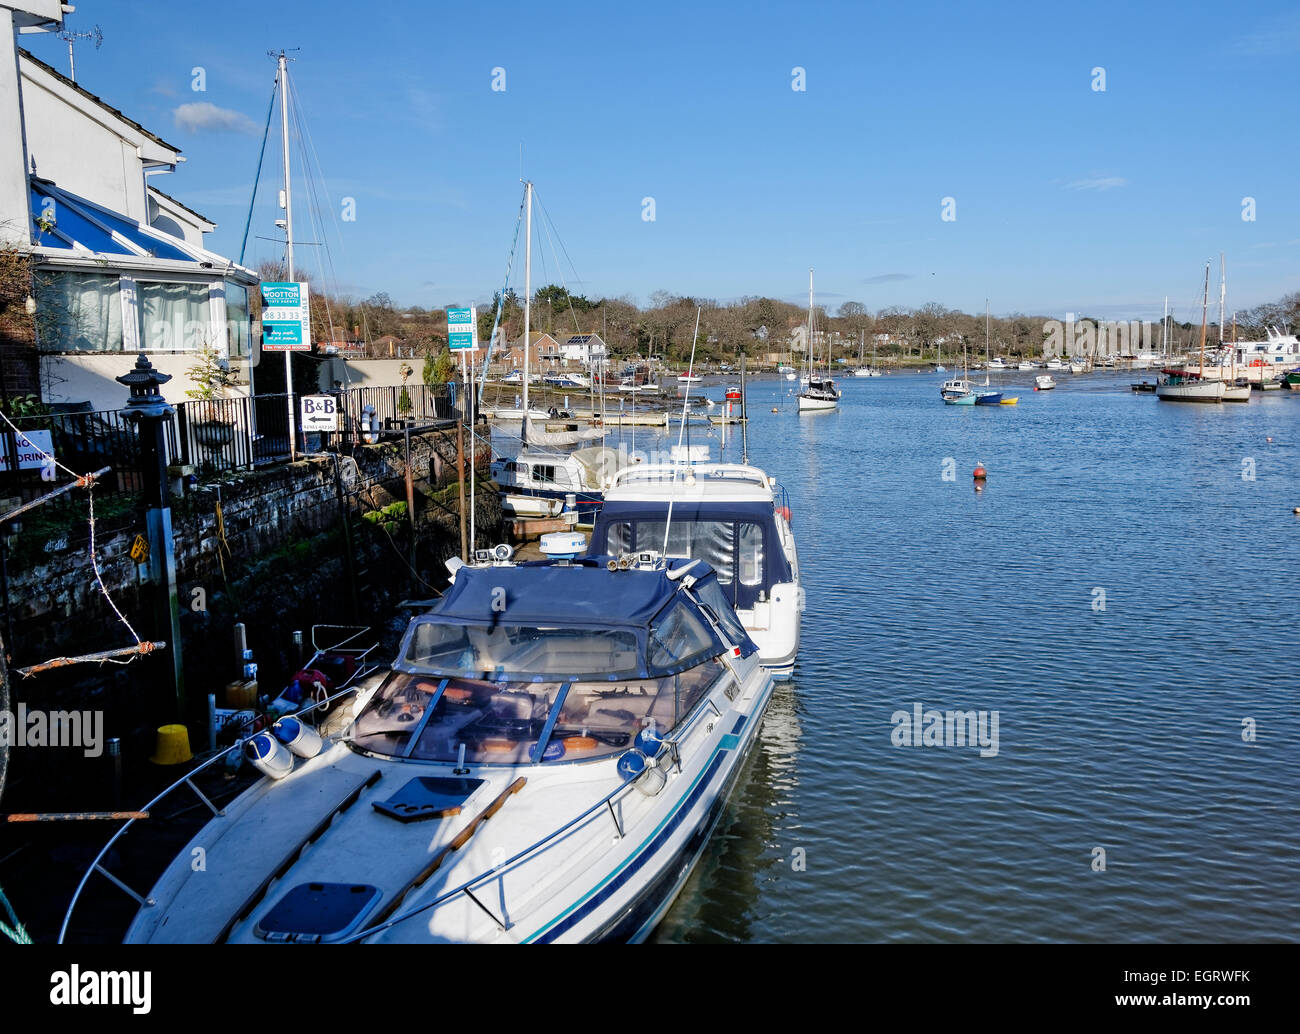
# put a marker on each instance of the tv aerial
(97, 34)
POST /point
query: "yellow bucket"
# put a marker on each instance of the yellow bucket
(173, 746)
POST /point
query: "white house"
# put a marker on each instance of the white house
(584, 348)
(120, 265)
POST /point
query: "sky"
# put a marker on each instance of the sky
(1061, 196)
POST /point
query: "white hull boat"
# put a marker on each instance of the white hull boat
(734, 518)
(1044, 382)
(549, 772)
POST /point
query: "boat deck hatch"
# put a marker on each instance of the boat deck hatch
(313, 913)
(428, 797)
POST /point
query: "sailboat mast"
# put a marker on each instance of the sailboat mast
(1223, 290)
(1205, 305)
(283, 73)
(528, 287)
(810, 326)
(1164, 332)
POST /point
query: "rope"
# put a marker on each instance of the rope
(15, 933)
(94, 563)
(258, 177)
(89, 484)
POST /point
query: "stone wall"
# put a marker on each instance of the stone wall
(275, 559)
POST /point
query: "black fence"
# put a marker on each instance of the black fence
(83, 441)
(212, 437)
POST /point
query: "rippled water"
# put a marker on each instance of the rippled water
(1119, 728)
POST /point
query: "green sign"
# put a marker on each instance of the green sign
(286, 322)
(462, 329)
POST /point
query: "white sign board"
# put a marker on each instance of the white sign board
(319, 413)
(286, 319)
(462, 329)
(27, 446)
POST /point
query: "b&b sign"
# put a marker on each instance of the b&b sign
(319, 413)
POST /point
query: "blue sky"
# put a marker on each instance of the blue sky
(1066, 198)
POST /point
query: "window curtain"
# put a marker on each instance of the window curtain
(79, 312)
(175, 316)
(237, 319)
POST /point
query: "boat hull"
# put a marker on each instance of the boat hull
(808, 404)
(1190, 391)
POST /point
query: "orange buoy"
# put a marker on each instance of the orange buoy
(784, 511)
(980, 473)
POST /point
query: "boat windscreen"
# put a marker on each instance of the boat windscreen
(528, 652)
(502, 722)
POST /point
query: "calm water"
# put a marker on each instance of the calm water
(1119, 729)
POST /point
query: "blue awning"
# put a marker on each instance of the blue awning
(77, 222)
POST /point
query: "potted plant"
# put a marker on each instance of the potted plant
(404, 403)
(211, 376)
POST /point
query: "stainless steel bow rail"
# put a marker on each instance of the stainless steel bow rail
(187, 780)
(467, 888)
(386, 919)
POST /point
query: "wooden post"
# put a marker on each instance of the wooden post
(410, 501)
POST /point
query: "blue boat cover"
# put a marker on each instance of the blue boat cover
(546, 593)
(755, 511)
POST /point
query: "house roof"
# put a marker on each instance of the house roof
(179, 204)
(97, 100)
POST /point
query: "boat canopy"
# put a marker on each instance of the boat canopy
(738, 539)
(550, 620)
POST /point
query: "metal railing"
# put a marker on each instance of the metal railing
(83, 441)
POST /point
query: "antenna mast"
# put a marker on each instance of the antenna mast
(96, 34)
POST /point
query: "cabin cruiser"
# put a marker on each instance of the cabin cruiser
(553, 476)
(729, 515)
(1044, 382)
(543, 761)
(955, 389)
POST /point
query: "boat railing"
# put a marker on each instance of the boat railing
(96, 866)
(659, 472)
(606, 803)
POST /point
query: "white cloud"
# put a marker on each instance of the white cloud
(201, 115)
(1098, 183)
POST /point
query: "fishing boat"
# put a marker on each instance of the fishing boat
(550, 770)
(820, 392)
(1044, 382)
(553, 476)
(1182, 385)
(733, 517)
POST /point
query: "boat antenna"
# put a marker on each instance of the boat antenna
(680, 431)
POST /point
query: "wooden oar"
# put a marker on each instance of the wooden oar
(460, 840)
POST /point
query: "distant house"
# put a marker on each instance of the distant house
(120, 266)
(584, 349)
(543, 350)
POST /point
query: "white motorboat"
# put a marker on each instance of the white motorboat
(1023, 365)
(997, 363)
(1078, 367)
(552, 476)
(733, 517)
(545, 770)
(1044, 382)
(1055, 364)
